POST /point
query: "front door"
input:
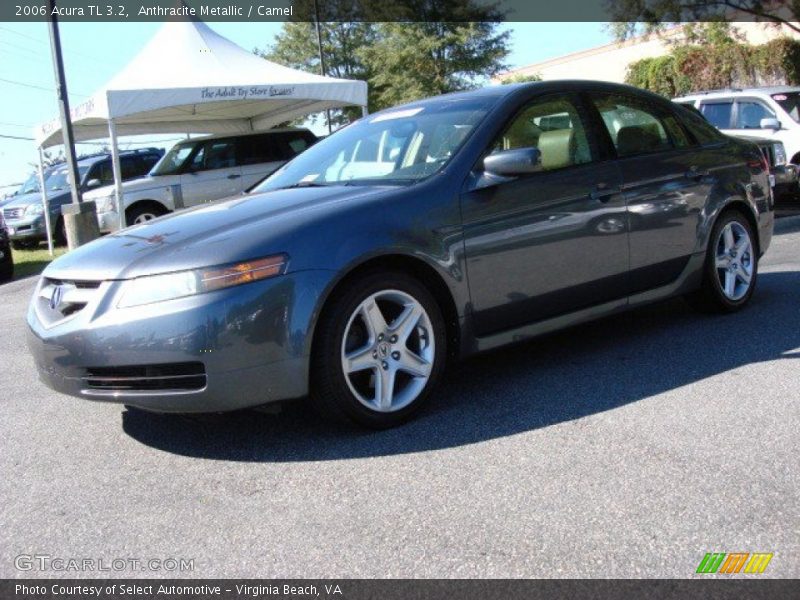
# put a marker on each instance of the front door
(551, 242)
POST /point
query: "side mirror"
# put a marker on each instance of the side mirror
(93, 183)
(510, 163)
(770, 123)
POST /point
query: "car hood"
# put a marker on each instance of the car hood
(241, 228)
(139, 184)
(32, 198)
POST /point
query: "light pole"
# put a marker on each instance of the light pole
(321, 58)
(80, 219)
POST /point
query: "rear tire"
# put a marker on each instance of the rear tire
(60, 234)
(379, 351)
(730, 270)
(7, 269)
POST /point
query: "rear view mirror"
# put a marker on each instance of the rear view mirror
(509, 163)
(770, 123)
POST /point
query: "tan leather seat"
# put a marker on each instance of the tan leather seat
(556, 148)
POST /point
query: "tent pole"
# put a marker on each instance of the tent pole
(115, 165)
(45, 204)
(364, 111)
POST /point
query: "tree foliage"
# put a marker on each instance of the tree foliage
(296, 47)
(727, 64)
(520, 78)
(401, 61)
(645, 16)
(416, 60)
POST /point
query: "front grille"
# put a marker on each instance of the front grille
(173, 377)
(59, 299)
(13, 213)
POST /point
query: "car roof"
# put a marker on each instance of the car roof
(100, 156)
(244, 134)
(500, 91)
(767, 91)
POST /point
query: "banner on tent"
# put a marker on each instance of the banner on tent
(242, 93)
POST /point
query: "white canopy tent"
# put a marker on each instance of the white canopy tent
(189, 79)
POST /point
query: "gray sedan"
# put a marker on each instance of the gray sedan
(426, 232)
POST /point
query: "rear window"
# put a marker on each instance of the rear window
(273, 147)
(718, 113)
(700, 129)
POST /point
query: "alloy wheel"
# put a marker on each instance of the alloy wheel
(388, 350)
(734, 261)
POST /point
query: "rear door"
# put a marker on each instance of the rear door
(666, 180)
(212, 173)
(551, 242)
(259, 156)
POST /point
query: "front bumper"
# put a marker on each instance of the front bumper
(252, 340)
(27, 229)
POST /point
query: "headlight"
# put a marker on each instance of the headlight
(780, 154)
(34, 209)
(170, 286)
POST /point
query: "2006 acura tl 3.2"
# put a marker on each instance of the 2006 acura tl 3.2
(436, 229)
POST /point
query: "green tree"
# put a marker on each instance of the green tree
(296, 46)
(635, 16)
(520, 78)
(414, 60)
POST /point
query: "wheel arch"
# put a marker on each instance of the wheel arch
(411, 265)
(740, 206)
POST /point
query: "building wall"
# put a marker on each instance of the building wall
(610, 62)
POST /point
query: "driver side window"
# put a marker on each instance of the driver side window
(553, 126)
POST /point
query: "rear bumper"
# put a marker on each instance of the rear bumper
(252, 340)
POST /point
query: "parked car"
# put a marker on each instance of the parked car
(30, 186)
(25, 214)
(768, 112)
(6, 257)
(784, 175)
(201, 170)
(508, 212)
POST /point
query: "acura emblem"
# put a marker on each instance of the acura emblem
(55, 298)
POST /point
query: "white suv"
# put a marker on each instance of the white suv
(768, 112)
(200, 170)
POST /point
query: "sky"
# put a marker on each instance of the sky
(94, 52)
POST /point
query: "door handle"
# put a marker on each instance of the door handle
(696, 172)
(233, 176)
(602, 192)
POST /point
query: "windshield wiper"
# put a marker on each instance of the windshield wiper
(307, 184)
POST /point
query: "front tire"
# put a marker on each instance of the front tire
(143, 213)
(731, 266)
(380, 351)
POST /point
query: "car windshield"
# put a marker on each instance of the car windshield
(30, 186)
(58, 178)
(173, 160)
(395, 147)
(790, 102)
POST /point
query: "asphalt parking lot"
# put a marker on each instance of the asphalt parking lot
(629, 447)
